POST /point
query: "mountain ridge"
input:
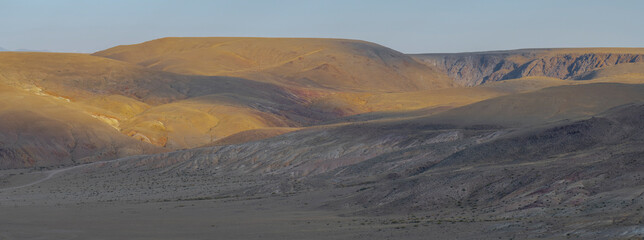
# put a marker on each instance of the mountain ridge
(476, 68)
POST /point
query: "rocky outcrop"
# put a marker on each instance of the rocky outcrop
(471, 69)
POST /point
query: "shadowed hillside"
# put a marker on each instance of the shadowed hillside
(164, 109)
(325, 148)
(46, 131)
(555, 174)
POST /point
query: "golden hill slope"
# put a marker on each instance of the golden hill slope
(80, 76)
(45, 131)
(312, 63)
(191, 110)
(179, 111)
(628, 72)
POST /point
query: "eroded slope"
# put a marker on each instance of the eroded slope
(471, 69)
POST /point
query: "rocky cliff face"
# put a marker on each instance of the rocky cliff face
(471, 69)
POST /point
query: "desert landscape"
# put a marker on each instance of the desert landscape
(257, 138)
(320, 138)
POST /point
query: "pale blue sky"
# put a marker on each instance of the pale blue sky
(407, 26)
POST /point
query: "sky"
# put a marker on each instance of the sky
(407, 26)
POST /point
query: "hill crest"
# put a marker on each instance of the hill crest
(335, 64)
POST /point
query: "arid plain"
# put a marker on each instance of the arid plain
(287, 138)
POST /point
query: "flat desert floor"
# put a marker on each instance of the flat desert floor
(306, 215)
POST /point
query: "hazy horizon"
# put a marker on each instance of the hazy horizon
(410, 27)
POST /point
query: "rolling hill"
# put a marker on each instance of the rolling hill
(180, 93)
(144, 104)
(40, 131)
(336, 64)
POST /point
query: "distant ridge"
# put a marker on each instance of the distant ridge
(21, 50)
(30, 50)
(475, 68)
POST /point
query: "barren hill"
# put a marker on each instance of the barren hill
(139, 98)
(45, 131)
(164, 109)
(182, 111)
(335, 64)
